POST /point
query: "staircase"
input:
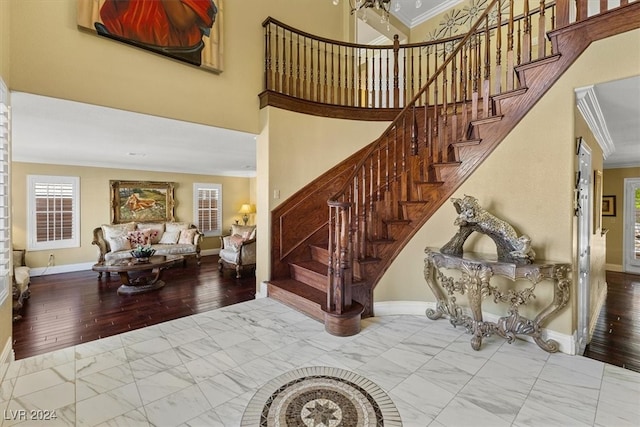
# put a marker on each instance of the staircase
(360, 214)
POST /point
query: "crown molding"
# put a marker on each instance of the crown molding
(589, 107)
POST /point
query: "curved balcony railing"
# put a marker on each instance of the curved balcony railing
(325, 71)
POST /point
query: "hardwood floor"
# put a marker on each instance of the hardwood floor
(616, 339)
(73, 308)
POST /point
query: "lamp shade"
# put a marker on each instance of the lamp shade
(246, 209)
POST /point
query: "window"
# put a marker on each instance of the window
(207, 208)
(5, 223)
(54, 212)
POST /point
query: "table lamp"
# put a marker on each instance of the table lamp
(245, 210)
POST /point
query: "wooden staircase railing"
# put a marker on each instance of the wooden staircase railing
(379, 197)
(301, 67)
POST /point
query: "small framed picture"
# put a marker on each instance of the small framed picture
(608, 205)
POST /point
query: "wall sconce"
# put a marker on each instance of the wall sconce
(245, 210)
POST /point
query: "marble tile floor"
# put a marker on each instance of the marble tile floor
(202, 370)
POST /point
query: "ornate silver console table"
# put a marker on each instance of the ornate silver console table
(477, 271)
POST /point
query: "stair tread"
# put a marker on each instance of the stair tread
(301, 289)
(509, 93)
(368, 260)
(438, 183)
(312, 265)
(535, 63)
(467, 142)
(397, 221)
(412, 202)
(484, 120)
(445, 164)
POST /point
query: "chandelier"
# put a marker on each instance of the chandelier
(383, 5)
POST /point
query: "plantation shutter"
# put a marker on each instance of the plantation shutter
(208, 208)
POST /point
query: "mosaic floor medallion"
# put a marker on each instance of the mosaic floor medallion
(320, 396)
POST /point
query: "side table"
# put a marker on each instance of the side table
(475, 282)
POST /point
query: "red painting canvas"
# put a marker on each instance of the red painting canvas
(186, 30)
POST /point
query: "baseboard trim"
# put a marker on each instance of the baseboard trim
(208, 252)
(262, 291)
(614, 267)
(56, 269)
(566, 343)
(600, 299)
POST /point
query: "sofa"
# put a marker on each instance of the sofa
(21, 281)
(116, 241)
(238, 250)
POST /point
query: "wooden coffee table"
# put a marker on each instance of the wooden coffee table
(140, 283)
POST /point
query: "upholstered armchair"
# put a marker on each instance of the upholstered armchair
(238, 250)
(21, 281)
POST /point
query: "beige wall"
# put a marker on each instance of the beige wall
(52, 57)
(528, 180)
(5, 13)
(95, 210)
(613, 185)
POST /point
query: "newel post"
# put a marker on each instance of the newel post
(339, 292)
(396, 72)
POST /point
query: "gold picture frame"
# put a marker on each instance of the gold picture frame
(141, 201)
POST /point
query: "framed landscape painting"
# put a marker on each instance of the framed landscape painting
(150, 25)
(141, 201)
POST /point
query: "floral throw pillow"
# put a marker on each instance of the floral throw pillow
(156, 228)
(141, 237)
(186, 236)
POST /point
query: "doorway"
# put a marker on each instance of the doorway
(631, 237)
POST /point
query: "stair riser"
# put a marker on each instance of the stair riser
(319, 254)
(309, 277)
(394, 230)
(297, 302)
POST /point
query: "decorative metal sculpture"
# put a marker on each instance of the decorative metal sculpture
(472, 217)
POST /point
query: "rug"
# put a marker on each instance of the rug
(320, 396)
